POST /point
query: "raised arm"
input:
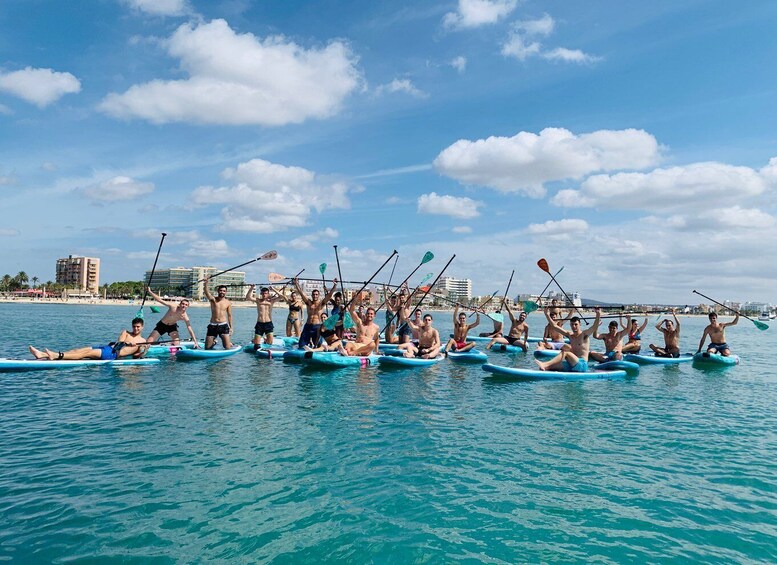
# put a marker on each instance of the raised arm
(158, 298)
(553, 324)
(301, 293)
(456, 315)
(208, 295)
(477, 321)
(732, 322)
(595, 326)
(249, 294)
(354, 316)
(644, 324)
(676, 321)
(510, 312)
(331, 292)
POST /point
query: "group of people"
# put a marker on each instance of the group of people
(405, 325)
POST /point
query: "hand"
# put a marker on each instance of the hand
(334, 280)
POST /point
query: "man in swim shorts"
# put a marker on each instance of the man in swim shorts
(459, 341)
(551, 339)
(613, 343)
(314, 307)
(220, 317)
(264, 327)
(428, 341)
(671, 333)
(128, 344)
(367, 334)
(574, 356)
(519, 331)
(176, 312)
(717, 333)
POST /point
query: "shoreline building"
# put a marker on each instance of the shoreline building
(455, 289)
(187, 281)
(79, 273)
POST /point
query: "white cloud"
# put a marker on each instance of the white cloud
(39, 86)
(211, 249)
(475, 13)
(569, 56)
(160, 7)
(400, 85)
(542, 26)
(306, 241)
(522, 43)
(558, 227)
(459, 63)
(733, 218)
(5, 110)
(524, 162)
(445, 205)
(516, 46)
(7, 180)
(172, 237)
(266, 197)
(462, 229)
(240, 79)
(699, 185)
(8, 232)
(117, 189)
(49, 167)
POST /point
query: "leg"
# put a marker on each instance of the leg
(268, 338)
(451, 343)
(496, 340)
(551, 363)
(432, 353)
(226, 342)
(210, 341)
(632, 347)
(175, 339)
(153, 337)
(38, 354)
(297, 325)
(598, 357)
(470, 345)
(80, 353)
(289, 327)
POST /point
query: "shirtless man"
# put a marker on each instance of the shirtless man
(551, 338)
(574, 356)
(391, 309)
(518, 328)
(220, 317)
(613, 343)
(418, 321)
(459, 341)
(314, 307)
(555, 308)
(428, 341)
(367, 334)
(169, 322)
(717, 333)
(671, 337)
(498, 327)
(264, 326)
(129, 344)
(404, 329)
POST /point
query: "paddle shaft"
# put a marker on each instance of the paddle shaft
(508, 289)
(726, 307)
(340, 275)
(564, 292)
(224, 271)
(145, 291)
(483, 306)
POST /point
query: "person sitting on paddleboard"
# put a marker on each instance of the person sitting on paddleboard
(518, 328)
(459, 341)
(169, 322)
(220, 317)
(634, 344)
(552, 339)
(129, 344)
(613, 343)
(428, 340)
(367, 334)
(574, 355)
(264, 328)
(325, 340)
(498, 326)
(671, 333)
(314, 306)
(717, 333)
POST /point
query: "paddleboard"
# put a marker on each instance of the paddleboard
(653, 360)
(297, 355)
(512, 373)
(471, 356)
(169, 349)
(506, 348)
(715, 359)
(396, 361)
(266, 351)
(605, 366)
(7, 365)
(190, 354)
(335, 360)
(482, 339)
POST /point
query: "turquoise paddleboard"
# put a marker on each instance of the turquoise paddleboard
(396, 361)
(512, 373)
(471, 356)
(9, 365)
(191, 354)
(653, 360)
(715, 360)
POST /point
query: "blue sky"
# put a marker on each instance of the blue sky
(633, 143)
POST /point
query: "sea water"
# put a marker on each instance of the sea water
(253, 460)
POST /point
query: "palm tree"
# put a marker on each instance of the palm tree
(22, 279)
(35, 281)
(6, 282)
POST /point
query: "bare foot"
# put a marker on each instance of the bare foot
(307, 348)
(37, 353)
(50, 354)
(541, 365)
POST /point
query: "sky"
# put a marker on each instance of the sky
(632, 143)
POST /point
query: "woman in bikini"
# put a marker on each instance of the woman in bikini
(327, 340)
(293, 324)
(634, 344)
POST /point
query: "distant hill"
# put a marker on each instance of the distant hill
(592, 302)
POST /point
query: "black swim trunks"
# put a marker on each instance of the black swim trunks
(263, 328)
(512, 340)
(215, 330)
(163, 329)
(404, 330)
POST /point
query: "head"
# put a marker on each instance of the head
(554, 302)
(462, 318)
(402, 294)
(293, 295)
(183, 304)
(338, 297)
(522, 316)
(369, 315)
(315, 295)
(221, 290)
(613, 327)
(265, 292)
(553, 316)
(634, 323)
(574, 323)
(323, 316)
(713, 317)
(427, 321)
(418, 314)
(137, 325)
(669, 324)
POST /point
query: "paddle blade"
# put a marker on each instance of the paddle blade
(275, 277)
(530, 306)
(760, 325)
(497, 317)
(154, 309)
(543, 264)
(322, 268)
(269, 256)
(348, 321)
(139, 314)
(426, 278)
(428, 256)
(331, 322)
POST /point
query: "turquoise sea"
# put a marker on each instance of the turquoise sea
(260, 461)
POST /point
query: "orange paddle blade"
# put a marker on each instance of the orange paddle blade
(543, 264)
(275, 277)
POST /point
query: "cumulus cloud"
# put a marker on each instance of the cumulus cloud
(5, 110)
(524, 162)
(265, 197)
(172, 238)
(240, 79)
(700, 185)
(117, 189)
(307, 241)
(733, 218)
(462, 229)
(39, 86)
(49, 167)
(445, 205)
(211, 249)
(475, 13)
(400, 85)
(459, 63)
(558, 227)
(523, 43)
(160, 7)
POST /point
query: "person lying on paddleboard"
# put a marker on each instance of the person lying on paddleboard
(552, 339)
(367, 334)
(314, 306)
(460, 330)
(671, 333)
(717, 333)
(574, 355)
(129, 344)
(613, 343)
(220, 317)
(428, 341)
(518, 328)
(176, 312)
(264, 328)
(634, 343)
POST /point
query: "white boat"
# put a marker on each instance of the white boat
(765, 314)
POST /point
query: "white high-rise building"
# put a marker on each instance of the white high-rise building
(457, 289)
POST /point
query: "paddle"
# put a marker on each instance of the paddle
(322, 270)
(496, 316)
(332, 320)
(391, 276)
(344, 314)
(543, 264)
(530, 306)
(758, 324)
(507, 291)
(431, 286)
(269, 256)
(139, 314)
(428, 256)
